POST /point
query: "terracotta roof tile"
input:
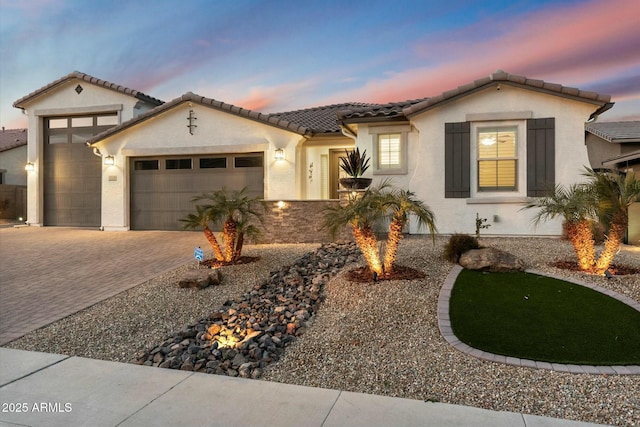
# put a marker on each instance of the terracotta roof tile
(320, 120)
(90, 79)
(501, 77)
(389, 110)
(209, 102)
(12, 138)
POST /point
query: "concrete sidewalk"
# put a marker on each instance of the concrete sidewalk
(39, 389)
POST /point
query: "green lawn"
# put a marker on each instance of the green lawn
(535, 317)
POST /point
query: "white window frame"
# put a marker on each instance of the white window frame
(378, 131)
(521, 170)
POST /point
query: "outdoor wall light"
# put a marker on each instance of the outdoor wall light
(279, 154)
(29, 167)
(281, 204)
(109, 161)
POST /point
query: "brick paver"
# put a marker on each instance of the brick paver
(48, 273)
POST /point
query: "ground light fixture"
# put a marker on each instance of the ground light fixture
(109, 161)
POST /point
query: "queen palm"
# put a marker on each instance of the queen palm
(615, 193)
(575, 204)
(403, 203)
(235, 210)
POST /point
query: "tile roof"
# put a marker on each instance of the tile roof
(90, 79)
(12, 138)
(618, 132)
(395, 110)
(320, 120)
(389, 110)
(208, 102)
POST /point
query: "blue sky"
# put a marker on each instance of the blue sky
(279, 55)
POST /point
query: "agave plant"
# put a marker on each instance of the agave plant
(354, 163)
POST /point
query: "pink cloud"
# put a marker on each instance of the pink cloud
(570, 45)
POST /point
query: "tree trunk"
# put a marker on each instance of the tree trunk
(580, 236)
(611, 246)
(229, 237)
(211, 238)
(366, 241)
(393, 241)
(238, 251)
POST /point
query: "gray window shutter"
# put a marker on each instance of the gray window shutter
(457, 166)
(541, 164)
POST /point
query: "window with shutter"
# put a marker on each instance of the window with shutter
(457, 160)
(540, 156)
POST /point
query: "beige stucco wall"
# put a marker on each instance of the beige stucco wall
(314, 165)
(426, 151)
(63, 100)
(13, 162)
(216, 132)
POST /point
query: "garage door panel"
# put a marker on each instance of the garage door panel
(160, 198)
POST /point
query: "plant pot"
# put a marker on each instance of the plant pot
(355, 183)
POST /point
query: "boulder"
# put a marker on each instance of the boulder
(200, 279)
(490, 259)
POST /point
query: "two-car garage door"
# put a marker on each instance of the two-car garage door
(162, 188)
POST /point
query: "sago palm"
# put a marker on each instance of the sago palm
(615, 192)
(401, 205)
(575, 204)
(201, 220)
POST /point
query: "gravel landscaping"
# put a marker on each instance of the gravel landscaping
(380, 338)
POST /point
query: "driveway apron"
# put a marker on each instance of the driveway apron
(49, 273)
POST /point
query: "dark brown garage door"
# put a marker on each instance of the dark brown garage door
(162, 188)
(72, 173)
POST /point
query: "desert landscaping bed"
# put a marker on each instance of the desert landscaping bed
(380, 338)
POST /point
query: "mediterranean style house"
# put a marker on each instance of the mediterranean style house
(103, 155)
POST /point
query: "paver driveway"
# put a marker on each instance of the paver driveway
(49, 273)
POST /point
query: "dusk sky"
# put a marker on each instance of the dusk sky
(280, 55)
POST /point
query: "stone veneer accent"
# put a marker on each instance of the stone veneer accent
(298, 221)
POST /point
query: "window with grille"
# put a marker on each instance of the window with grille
(497, 159)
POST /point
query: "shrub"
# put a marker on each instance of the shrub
(459, 244)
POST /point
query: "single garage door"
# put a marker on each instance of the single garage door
(72, 173)
(162, 188)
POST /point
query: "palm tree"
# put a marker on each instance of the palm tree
(361, 212)
(235, 210)
(375, 204)
(575, 204)
(402, 204)
(615, 193)
(201, 220)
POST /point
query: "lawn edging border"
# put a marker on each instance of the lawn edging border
(444, 324)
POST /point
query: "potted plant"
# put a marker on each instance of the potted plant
(355, 165)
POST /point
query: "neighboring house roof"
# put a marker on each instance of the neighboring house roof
(320, 120)
(208, 102)
(90, 79)
(12, 138)
(616, 132)
(499, 77)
